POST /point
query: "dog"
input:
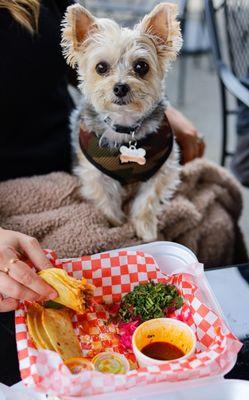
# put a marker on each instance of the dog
(120, 134)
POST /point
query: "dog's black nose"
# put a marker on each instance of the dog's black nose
(121, 89)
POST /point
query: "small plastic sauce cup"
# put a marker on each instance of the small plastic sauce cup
(79, 364)
(111, 362)
(167, 330)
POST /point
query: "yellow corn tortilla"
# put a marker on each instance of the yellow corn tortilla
(32, 328)
(36, 330)
(59, 328)
(41, 333)
(72, 293)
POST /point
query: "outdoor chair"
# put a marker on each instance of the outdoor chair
(195, 42)
(228, 24)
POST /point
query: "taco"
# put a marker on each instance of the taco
(59, 328)
(72, 293)
(53, 330)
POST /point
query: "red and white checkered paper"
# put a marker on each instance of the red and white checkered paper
(115, 274)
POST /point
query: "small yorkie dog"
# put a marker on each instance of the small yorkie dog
(120, 133)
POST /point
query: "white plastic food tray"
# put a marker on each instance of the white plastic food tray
(174, 258)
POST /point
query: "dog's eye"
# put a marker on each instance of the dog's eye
(141, 67)
(102, 68)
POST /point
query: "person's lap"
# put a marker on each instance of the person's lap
(9, 370)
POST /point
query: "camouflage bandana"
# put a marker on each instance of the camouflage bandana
(158, 146)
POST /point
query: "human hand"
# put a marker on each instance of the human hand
(189, 139)
(17, 280)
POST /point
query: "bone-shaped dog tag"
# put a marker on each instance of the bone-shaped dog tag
(132, 154)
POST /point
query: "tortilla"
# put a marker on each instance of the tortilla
(32, 328)
(36, 330)
(59, 328)
(41, 333)
(72, 293)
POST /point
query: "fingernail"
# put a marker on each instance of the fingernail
(53, 296)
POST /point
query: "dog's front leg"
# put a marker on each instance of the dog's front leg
(152, 194)
(103, 191)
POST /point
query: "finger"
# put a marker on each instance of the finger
(23, 274)
(34, 252)
(10, 287)
(8, 304)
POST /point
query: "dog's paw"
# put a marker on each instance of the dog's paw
(146, 227)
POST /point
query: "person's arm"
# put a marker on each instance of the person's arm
(189, 139)
(17, 280)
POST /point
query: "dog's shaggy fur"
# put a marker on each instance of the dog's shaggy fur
(88, 41)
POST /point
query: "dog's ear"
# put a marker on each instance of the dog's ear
(76, 26)
(162, 26)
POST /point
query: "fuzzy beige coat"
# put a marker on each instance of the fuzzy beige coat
(203, 215)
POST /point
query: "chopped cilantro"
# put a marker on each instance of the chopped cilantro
(148, 301)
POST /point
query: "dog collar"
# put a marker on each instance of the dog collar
(157, 145)
(128, 130)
